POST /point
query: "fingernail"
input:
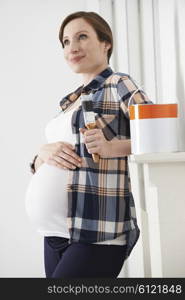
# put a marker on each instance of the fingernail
(79, 165)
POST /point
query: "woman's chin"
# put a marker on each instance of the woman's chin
(77, 69)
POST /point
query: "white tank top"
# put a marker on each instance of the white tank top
(46, 195)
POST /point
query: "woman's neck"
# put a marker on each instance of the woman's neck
(88, 77)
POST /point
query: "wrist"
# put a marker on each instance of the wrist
(120, 148)
(32, 164)
(111, 149)
(36, 162)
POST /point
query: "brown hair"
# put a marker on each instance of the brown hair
(101, 27)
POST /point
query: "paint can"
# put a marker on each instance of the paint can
(153, 128)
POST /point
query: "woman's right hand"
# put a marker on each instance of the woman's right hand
(60, 154)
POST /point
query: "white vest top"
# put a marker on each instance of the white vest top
(46, 196)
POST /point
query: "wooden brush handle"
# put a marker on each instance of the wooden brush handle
(95, 156)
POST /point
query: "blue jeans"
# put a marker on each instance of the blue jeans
(80, 260)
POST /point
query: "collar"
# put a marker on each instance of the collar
(94, 85)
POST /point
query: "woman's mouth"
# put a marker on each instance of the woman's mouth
(76, 59)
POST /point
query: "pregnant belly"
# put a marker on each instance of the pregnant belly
(46, 195)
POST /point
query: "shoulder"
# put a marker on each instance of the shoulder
(121, 83)
(117, 77)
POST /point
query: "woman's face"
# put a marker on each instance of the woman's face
(83, 51)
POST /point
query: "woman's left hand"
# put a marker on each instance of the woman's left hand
(96, 142)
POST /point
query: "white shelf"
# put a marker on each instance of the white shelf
(157, 181)
(165, 157)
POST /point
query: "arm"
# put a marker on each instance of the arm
(97, 143)
(129, 93)
(59, 154)
(120, 148)
(94, 138)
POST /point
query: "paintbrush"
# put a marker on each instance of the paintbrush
(89, 118)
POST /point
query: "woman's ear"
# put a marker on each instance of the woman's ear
(107, 46)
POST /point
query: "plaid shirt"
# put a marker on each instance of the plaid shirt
(100, 202)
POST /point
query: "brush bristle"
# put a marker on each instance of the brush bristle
(87, 105)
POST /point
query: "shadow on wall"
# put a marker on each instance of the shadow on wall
(180, 90)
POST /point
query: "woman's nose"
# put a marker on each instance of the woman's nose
(74, 47)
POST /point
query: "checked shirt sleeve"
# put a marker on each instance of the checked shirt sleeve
(130, 93)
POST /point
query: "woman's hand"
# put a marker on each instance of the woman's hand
(60, 154)
(96, 142)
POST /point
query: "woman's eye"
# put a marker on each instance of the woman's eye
(66, 42)
(82, 36)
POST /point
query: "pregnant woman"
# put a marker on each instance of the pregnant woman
(84, 209)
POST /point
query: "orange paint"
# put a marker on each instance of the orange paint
(151, 111)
